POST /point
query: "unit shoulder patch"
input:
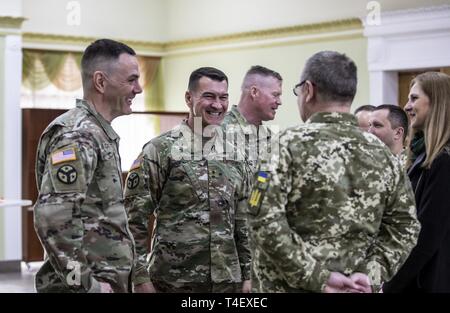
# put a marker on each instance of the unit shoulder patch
(67, 174)
(133, 180)
(258, 192)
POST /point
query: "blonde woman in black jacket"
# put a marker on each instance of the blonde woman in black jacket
(427, 268)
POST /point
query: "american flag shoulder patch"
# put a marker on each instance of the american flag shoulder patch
(64, 155)
(136, 164)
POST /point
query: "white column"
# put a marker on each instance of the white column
(383, 87)
(11, 160)
(412, 39)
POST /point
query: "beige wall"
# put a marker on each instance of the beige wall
(169, 20)
(10, 7)
(287, 59)
(130, 19)
(199, 18)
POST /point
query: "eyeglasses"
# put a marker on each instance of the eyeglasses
(297, 86)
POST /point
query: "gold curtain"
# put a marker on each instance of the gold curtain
(62, 69)
(151, 82)
(42, 68)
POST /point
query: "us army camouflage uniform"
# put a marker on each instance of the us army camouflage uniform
(335, 200)
(79, 215)
(253, 142)
(200, 207)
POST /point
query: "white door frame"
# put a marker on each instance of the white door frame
(404, 40)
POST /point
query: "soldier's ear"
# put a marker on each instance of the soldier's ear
(188, 99)
(310, 91)
(98, 81)
(398, 133)
(254, 91)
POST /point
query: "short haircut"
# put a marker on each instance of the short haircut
(99, 52)
(333, 74)
(210, 72)
(366, 107)
(396, 116)
(263, 71)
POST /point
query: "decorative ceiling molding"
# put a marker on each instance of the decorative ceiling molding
(320, 31)
(11, 21)
(268, 34)
(10, 24)
(79, 43)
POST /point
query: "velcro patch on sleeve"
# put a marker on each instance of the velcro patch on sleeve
(64, 155)
(136, 164)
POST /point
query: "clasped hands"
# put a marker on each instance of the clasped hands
(339, 283)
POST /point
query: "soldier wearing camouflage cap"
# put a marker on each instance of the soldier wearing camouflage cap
(79, 215)
(333, 211)
(200, 243)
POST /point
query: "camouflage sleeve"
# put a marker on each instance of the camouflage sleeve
(241, 228)
(69, 169)
(398, 233)
(271, 233)
(142, 194)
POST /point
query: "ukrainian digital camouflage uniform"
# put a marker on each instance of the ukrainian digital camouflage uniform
(253, 142)
(79, 215)
(200, 204)
(335, 199)
(402, 157)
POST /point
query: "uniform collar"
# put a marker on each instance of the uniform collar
(239, 117)
(333, 117)
(81, 103)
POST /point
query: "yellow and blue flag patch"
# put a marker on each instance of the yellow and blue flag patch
(262, 177)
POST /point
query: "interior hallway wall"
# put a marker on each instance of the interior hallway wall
(287, 59)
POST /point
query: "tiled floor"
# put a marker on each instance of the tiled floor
(20, 282)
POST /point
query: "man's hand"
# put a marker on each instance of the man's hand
(246, 286)
(145, 288)
(363, 281)
(338, 282)
(105, 288)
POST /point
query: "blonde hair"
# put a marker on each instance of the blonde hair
(436, 129)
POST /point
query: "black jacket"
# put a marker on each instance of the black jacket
(427, 268)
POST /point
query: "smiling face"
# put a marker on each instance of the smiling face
(122, 85)
(208, 101)
(418, 107)
(267, 98)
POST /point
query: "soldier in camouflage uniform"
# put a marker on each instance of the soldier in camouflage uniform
(260, 98)
(79, 215)
(200, 243)
(390, 123)
(333, 209)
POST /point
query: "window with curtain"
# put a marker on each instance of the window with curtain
(52, 80)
